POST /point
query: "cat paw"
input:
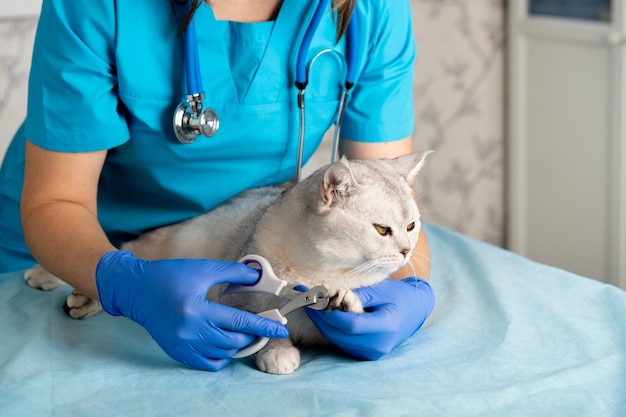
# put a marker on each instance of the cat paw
(278, 357)
(39, 278)
(79, 306)
(344, 299)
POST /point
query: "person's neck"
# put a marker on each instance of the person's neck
(245, 10)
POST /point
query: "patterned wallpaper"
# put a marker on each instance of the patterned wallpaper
(459, 98)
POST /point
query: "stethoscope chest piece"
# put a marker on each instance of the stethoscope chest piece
(191, 121)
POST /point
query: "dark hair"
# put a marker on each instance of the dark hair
(343, 9)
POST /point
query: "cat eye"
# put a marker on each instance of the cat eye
(383, 230)
(410, 227)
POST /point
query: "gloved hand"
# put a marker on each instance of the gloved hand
(394, 311)
(168, 298)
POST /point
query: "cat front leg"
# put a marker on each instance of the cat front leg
(79, 306)
(278, 356)
(37, 277)
(344, 299)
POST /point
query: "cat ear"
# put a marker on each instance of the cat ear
(338, 182)
(410, 165)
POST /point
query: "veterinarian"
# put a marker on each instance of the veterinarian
(98, 160)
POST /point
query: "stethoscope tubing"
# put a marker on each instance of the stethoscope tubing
(194, 73)
(302, 72)
(196, 91)
(302, 78)
(352, 49)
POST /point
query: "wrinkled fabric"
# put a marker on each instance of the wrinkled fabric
(507, 337)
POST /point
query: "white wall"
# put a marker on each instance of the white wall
(15, 9)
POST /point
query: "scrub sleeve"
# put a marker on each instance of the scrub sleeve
(381, 106)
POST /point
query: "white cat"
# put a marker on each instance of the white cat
(350, 224)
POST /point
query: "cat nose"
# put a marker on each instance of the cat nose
(405, 252)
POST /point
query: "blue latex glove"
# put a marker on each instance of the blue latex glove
(168, 298)
(394, 311)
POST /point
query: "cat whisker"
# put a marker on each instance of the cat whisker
(421, 255)
(422, 261)
(365, 268)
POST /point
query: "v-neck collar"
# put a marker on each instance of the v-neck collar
(245, 45)
(277, 65)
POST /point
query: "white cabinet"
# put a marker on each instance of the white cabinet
(567, 137)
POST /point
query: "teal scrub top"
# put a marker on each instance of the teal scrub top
(108, 75)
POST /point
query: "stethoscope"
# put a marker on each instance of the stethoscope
(191, 120)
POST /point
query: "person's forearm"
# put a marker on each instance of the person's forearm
(67, 240)
(419, 264)
(58, 210)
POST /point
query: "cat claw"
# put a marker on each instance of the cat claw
(344, 299)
